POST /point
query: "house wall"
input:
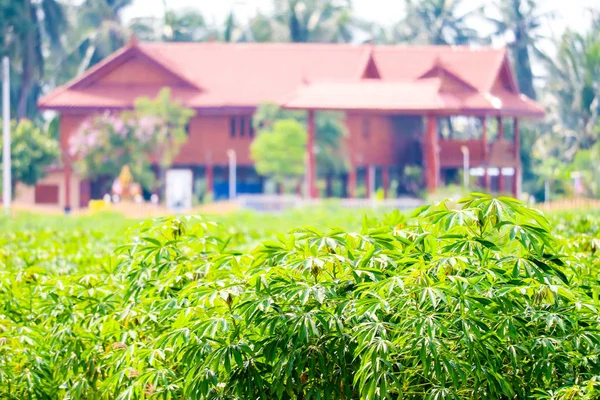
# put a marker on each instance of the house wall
(376, 139)
(25, 195)
(210, 137)
(370, 139)
(137, 71)
(384, 140)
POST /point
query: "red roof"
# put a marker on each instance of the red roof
(371, 94)
(423, 95)
(217, 75)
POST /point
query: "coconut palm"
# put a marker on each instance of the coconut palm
(519, 23)
(436, 22)
(30, 29)
(315, 21)
(186, 25)
(97, 32)
(575, 84)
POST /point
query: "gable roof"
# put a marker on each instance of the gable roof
(130, 51)
(409, 97)
(217, 75)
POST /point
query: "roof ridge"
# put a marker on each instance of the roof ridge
(438, 64)
(344, 46)
(169, 66)
(498, 70)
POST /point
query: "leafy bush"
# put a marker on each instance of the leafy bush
(32, 151)
(475, 300)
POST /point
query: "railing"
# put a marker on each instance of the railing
(259, 203)
(275, 203)
(572, 204)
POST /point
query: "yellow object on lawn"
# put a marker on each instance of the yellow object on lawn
(98, 205)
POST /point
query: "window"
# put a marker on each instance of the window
(46, 194)
(241, 126)
(232, 127)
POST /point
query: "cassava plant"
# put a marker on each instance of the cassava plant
(477, 299)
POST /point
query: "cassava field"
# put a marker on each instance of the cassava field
(485, 299)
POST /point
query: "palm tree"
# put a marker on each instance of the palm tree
(520, 22)
(98, 31)
(575, 83)
(315, 21)
(260, 28)
(436, 22)
(187, 25)
(29, 29)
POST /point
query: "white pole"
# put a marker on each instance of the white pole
(547, 190)
(6, 174)
(371, 188)
(465, 152)
(306, 175)
(232, 174)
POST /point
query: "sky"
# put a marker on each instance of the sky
(568, 13)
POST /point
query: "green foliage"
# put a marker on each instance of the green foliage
(106, 143)
(574, 82)
(153, 132)
(30, 31)
(522, 21)
(436, 22)
(280, 152)
(170, 120)
(412, 178)
(187, 25)
(330, 131)
(469, 300)
(32, 151)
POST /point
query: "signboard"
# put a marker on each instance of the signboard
(179, 189)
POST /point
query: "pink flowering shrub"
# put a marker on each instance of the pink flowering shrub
(152, 134)
(107, 142)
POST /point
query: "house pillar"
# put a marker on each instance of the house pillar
(209, 174)
(385, 180)
(516, 189)
(67, 168)
(329, 185)
(431, 156)
(209, 179)
(310, 148)
(370, 181)
(351, 189)
(484, 142)
(500, 138)
(68, 172)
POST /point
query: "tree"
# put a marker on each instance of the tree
(575, 83)
(30, 29)
(330, 130)
(187, 25)
(585, 166)
(32, 151)
(436, 22)
(279, 151)
(314, 21)
(169, 120)
(97, 32)
(107, 142)
(152, 134)
(520, 22)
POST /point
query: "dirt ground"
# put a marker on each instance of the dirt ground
(132, 210)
